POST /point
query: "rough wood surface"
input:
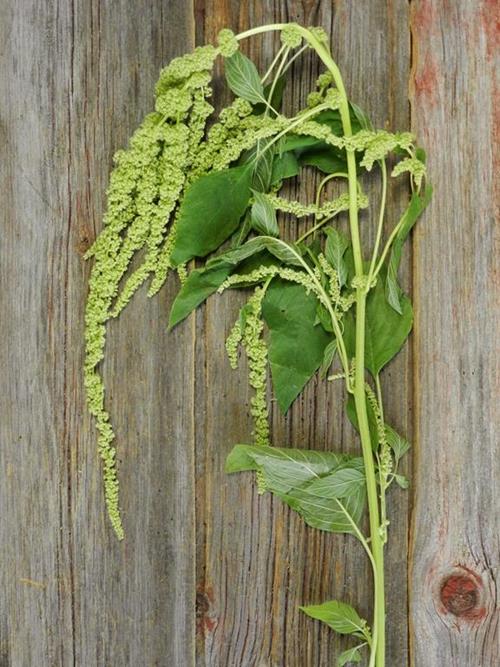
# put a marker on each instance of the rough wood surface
(455, 554)
(77, 78)
(210, 573)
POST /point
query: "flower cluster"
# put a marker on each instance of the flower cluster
(145, 186)
(412, 165)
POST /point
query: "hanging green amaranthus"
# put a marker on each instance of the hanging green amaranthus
(320, 303)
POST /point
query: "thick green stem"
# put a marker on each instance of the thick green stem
(377, 658)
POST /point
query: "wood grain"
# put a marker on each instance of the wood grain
(455, 555)
(78, 78)
(211, 574)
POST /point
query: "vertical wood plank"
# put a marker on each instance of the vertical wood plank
(455, 523)
(78, 78)
(257, 561)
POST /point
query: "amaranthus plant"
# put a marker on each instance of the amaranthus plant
(322, 302)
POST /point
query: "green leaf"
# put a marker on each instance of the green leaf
(336, 245)
(200, 284)
(340, 616)
(397, 443)
(296, 346)
(386, 330)
(328, 357)
(210, 212)
(243, 79)
(323, 318)
(351, 655)
(261, 161)
(415, 208)
(280, 249)
(325, 159)
(284, 166)
(402, 481)
(276, 99)
(283, 469)
(320, 486)
(263, 216)
(362, 118)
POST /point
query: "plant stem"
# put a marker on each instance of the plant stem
(377, 656)
(380, 224)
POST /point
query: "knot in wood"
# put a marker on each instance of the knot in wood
(460, 595)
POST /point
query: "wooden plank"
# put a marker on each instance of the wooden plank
(78, 78)
(256, 560)
(455, 524)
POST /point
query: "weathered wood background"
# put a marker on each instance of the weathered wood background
(210, 574)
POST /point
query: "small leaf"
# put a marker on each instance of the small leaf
(397, 443)
(243, 79)
(336, 245)
(415, 208)
(210, 212)
(351, 655)
(340, 616)
(328, 357)
(281, 250)
(362, 118)
(402, 481)
(296, 346)
(323, 318)
(263, 216)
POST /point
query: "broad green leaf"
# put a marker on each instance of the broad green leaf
(283, 469)
(203, 282)
(336, 245)
(340, 616)
(322, 487)
(397, 443)
(326, 160)
(285, 165)
(322, 506)
(296, 345)
(210, 212)
(243, 79)
(415, 208)
(263, 216)
(200, 284)
(351, 655)
(328, 357)
(386, 330)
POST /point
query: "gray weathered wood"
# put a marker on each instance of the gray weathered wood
(455, 553)
(77, 79)
(211, 573)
